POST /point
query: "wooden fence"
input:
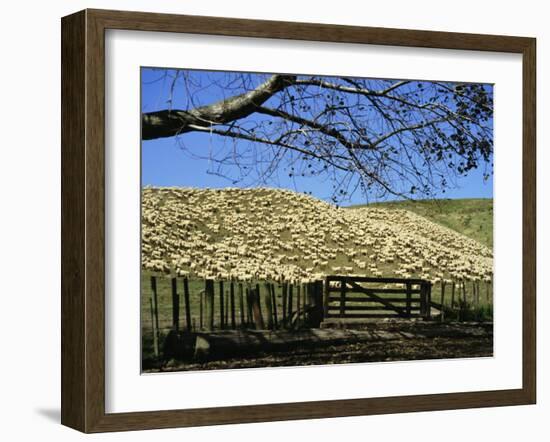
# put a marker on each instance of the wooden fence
(349, 297)
(459, 293)
(220, 305)
(192, 306)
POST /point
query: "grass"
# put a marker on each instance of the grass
(472, 217)
(467, 312)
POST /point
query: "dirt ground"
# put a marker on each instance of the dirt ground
(428, 341)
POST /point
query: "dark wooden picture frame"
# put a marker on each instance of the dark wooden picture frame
(83, 220)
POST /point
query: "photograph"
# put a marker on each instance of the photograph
(292, 219)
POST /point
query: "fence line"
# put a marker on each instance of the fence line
(235, 304)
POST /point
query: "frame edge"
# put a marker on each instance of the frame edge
(529, 221)
(73, 257)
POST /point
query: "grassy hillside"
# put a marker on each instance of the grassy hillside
(471, 217)
(270, 234)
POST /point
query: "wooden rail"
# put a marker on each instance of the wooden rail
(366, 297)
(231, 305)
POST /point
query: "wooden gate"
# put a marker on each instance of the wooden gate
(363, 297)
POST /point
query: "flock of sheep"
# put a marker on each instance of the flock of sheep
(281, 235)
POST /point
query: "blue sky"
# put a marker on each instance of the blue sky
(175, 161)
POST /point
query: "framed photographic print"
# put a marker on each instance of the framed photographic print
(267, 221)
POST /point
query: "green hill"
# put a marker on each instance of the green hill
(471, 217)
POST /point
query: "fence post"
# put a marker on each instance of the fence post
(175, 305)
(268, 306)
(315, 307)
(201, 308)
(453, 288)
(408, 300)
(256, 308)
(156, 308)
(274, 305)
(428, 299)
(342, 297)
(241, 303)
(258, 297)
(226, 319)
(222, 317)
(249, 302)
(209, 303)
(298, 301)
(326, 295)
(319, 300)
(289, 303)
(187, 304)
(442, 309)
(285, 286)
(232, 298)
(154, 328)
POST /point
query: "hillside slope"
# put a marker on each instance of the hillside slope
(271, 234)
(472, 217)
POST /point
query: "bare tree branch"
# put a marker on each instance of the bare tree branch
(385, 136)
(167, 123)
